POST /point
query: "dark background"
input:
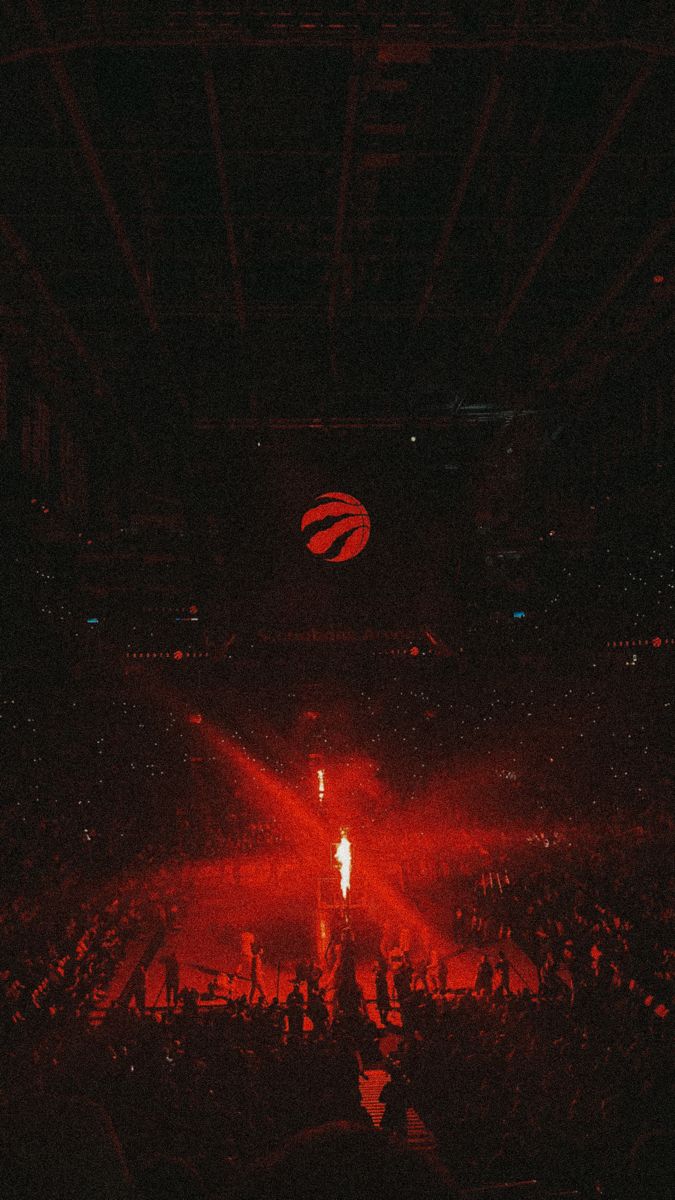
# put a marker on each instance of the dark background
(248, 257)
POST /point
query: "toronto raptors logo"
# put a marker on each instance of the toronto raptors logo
(340, 525)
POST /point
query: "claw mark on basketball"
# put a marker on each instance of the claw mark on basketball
(338, 527)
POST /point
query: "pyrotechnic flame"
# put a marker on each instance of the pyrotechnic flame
(322, 786)
(343, 856)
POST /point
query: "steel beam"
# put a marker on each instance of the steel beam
(487, 108)
(353, 93)
(217, 138)
(570, 204)
(386, 424)
(652, 240)
(658, 332)
(515, 186)
(631, 331)
(22, 255)
(484, 117)
(336, 36)
(63, 83)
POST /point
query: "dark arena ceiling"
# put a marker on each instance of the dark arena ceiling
(243, 247)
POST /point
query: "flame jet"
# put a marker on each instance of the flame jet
(278, 798)
(343, 856)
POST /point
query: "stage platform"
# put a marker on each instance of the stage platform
(218, 906)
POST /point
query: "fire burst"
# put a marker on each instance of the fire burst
(322, 785)
(343, 856)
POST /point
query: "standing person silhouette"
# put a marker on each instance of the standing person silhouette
(137, 987)
(394, 1097)
(256, 985)
(171, 979)
(502, 975)
(382, 999)
(483, 984)
(295, 1012)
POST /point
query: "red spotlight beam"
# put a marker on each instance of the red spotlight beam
(380, 897)
(272, 795)
(383, 900)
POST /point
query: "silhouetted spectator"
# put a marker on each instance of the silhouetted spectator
(382, 999)
(343, 1160)
(394, 1098)
(502, 975)
(171, 980)
(295, 1012)
(483, 984)
(137, 985)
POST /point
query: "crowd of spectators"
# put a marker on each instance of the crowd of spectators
(52, 965)
(522, 1087)
(514, 1087)
(592, 907)
(214, 1088)
(569, 1086)
(241, 838)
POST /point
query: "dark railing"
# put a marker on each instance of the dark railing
(470, 25)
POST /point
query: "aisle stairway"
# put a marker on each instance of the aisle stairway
(418, 1134)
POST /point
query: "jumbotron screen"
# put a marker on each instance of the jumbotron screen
(332, 538)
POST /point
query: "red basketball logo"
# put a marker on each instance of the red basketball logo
(341, 526)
